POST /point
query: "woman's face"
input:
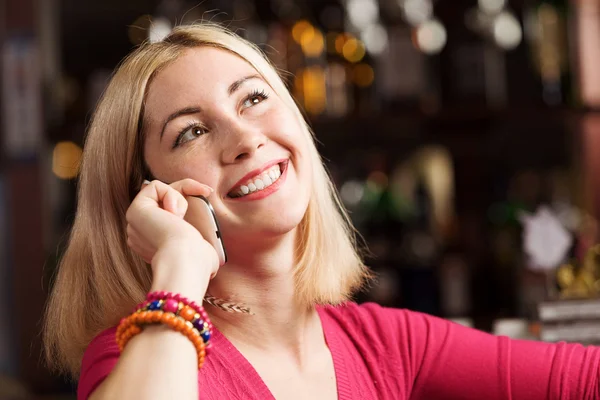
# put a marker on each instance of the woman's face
(212, 118)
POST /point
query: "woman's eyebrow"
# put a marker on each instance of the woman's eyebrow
(177, 114)
(236, 85)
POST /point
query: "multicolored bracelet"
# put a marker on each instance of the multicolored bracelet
(171, 309)
(166, 296)
(132, 325)
(182, 307)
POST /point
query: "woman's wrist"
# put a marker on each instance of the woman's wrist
(178, 268)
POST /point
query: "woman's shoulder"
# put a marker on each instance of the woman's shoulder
(102, 345)
(100, 357)
(372, 313)
(388, 343)
(382, 324)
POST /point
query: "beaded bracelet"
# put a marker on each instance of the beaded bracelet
(181, 306)
(132, 325)
(201, 324)
(165, 296)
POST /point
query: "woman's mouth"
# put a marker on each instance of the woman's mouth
(259, 182)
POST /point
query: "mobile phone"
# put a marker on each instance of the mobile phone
(202, 216)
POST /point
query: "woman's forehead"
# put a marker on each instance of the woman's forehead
(202, 72)
(207, 66)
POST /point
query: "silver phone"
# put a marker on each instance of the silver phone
(202, 216)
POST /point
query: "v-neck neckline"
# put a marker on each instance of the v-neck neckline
(262, 390)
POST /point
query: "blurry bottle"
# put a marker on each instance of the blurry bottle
(419, 253)
(382, 227)
(547, 31)
(385, 234)
(379, 225)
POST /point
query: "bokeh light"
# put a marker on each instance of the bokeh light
(159, 29)
(507, 31)
(312, 42)
(417, 12)
(362, 13)
(340, 41)
(302, 28)
(353, 50)
(66, 159)
(375, 38)
(314, 89)
(363, 75)
(430, 37)
(491, 6)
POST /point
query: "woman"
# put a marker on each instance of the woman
(203, 113)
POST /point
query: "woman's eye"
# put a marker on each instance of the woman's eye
(254, 99)
(188, 134)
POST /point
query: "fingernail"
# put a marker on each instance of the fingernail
(146, 182)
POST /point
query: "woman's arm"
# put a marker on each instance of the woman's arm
(432, 358)
(459, 362)
(159, 362)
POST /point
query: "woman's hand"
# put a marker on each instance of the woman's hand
(182, 261)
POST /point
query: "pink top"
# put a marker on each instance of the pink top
(382, 353)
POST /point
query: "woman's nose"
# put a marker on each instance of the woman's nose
(243, 142)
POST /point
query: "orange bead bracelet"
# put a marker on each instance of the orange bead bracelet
(132, 325)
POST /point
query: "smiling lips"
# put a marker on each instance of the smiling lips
(259, 182)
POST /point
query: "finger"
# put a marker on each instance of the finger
(146, 212)
(172, 202)
(190, 187)
(177, 204)
(156, 191)
(153, 195)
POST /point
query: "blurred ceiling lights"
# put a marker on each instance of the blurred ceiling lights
(493, 20)
(430, 36)
(375, 38)
(364, 22)
(159, 29)
(429, 33)
(362, 13)
(417, 12)
(491, 6)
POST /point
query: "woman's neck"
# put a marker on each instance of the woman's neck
(264, 281)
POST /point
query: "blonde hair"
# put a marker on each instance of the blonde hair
(99, 279)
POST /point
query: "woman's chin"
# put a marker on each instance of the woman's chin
(261, 229)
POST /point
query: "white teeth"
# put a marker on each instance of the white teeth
(262, 181)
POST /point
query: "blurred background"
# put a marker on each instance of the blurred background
(463, 136)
